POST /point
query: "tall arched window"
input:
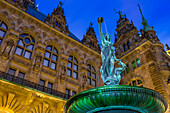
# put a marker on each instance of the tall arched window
(136, 82)
(128, 45)
(91, 75)
(124, 47)
(25, 46)
(3, 30)
(50, 57)
(72, 67)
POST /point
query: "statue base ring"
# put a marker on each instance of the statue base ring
(117, 99)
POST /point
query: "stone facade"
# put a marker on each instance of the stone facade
(147, 62)
(41, 56)
(46, 63)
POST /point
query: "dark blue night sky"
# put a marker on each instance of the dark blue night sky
(79, 14)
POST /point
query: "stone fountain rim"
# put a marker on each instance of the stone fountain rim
(118, 89)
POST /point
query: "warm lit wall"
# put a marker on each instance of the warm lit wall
(19, 22)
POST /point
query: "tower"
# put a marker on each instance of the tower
(57, 19)
(147, 63)
(90, 39)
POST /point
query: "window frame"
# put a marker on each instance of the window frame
(50, 59)
(24, 49)
(89, 69)
(73, 62)
(3, 29)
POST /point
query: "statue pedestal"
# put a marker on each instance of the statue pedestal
(117, 99)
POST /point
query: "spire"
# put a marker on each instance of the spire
(90, 39)
(58, 19)
(146, 27)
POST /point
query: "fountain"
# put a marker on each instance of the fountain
(115, 98)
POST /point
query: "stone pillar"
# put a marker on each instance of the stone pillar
(7, 50)
(83, 77)
(37, 64)
(62, 72)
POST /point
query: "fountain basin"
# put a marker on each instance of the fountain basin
(117, 99)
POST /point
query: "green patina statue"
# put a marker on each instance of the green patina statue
(109, 74)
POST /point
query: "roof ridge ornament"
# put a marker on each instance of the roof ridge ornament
(61, 3)
(119, 12)
(146, 27)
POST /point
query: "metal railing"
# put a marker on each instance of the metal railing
(33, 85)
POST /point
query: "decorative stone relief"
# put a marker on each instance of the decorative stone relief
(9, 44)
(62, 73)
(43, 107)
(10, 102)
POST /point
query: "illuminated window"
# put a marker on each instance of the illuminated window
(136, 82)
(11, 71)
(3, 30)
(50, 57)
(41, 85)
(91, 75)
(21, 75)
(73, 93)
(124, 46)
(72, 67)
(49, 87)
(128, 45)
(25, 46)
(67, 92)
(138, 62)
(133, 64)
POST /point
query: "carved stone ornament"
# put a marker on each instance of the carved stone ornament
(38, 61)
(62, 73)
(9, 45)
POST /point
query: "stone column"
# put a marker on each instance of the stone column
(62, 72)
(83, 77)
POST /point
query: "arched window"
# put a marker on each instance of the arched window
(72, 67)
(3, 30)
(128, 44)
(25, 46)
(138, 62)
(50, 57)
(124, 46)
(91, 75)
(136, 82)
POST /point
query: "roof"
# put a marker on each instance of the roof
(35, 13)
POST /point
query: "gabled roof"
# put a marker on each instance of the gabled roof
(35, 13)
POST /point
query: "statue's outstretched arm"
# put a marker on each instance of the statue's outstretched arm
(100, 20)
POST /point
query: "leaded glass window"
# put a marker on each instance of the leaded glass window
(72, 67)
(25, 46)
(91, 75)
(50, 57)
(3, 30)
(11, 71)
